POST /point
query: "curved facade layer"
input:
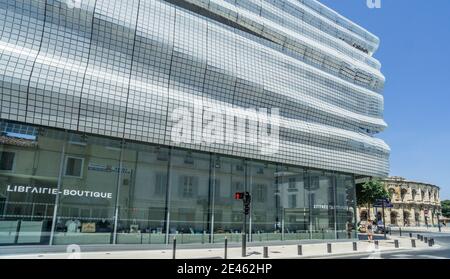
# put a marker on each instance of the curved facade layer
(126, 69)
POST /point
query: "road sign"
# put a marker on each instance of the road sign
(381, 202)
(386, 205)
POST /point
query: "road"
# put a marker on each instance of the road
(440, 251)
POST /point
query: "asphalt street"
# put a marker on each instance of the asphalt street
(440, 251)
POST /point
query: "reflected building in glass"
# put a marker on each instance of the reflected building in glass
(91, 93)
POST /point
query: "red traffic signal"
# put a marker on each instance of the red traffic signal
(239, 195)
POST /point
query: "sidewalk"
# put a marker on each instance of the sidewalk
(274, 252)
(430, 229)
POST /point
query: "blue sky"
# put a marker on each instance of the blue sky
(415, 57)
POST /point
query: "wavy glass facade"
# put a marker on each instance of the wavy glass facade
(88, 89)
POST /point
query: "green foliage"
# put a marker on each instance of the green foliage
(369, 192)
(445, 208)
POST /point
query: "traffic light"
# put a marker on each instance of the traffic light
(247, 201)
(239, 195)
(247, 198)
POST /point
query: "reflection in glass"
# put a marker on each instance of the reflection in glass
(29, 171)
(86, 211)
(112, 191)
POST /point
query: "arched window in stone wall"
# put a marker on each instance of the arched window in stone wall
(414, 194)
(394, 216)
(403, 194)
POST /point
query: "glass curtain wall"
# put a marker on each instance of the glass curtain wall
(321, 188)
(29, 169)
(294, 197)
(229, 176)
(142, 198)
(109, 191)
(89, 182)
(264, 183)
(189, 196)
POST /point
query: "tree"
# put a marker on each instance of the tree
(445, 205)
(369, 192)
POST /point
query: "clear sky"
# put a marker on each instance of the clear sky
(415, 56)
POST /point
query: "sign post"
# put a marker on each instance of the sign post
(384, 223)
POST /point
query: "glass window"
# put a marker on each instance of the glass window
(264, 180)
(188, 186)
(29, 172)
(142, 199)
(86, 210)
(228, 212)
(345, 206)
(7, 160)
(74, 166)
(294, 203)
(322, 194)
(190, 196)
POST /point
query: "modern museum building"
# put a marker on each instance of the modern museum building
(133, 122)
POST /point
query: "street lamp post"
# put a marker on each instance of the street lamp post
(384, 222)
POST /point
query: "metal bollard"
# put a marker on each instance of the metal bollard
(376, 244)
(329, 247)
(400, 230)
(174, 248)
(396, 243)
(266, 252)
(226, 248)
(299, 250)
(425, 239)
(421, 238)
(355, 246)
(413, 243)
(430, 242)
(410, 235)
(418, 236)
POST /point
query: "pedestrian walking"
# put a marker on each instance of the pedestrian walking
(370, 230)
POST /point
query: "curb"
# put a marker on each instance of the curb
(339, 255)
